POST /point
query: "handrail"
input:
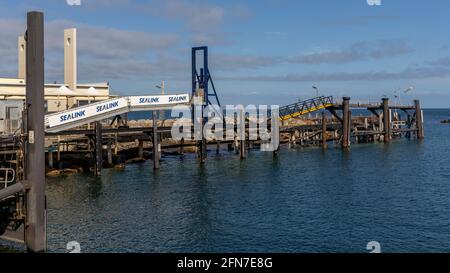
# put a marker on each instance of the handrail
(7, 172)
(308, 100)
(97, 111)
(304, 107)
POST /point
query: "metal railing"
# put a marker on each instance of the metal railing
(305, 107)
(7, 176)
(10, 126)
(75, 117)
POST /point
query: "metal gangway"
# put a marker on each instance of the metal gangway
(304, 107)
(60, 121)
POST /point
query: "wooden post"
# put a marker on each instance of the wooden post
(98, 149)
(350, 125)
(59, 150)
(301, 138)
(109, 152)
(50, 159)
(202, 151)
(324, 131)
(35, 226)
(202, 144)
(346, 123)
(160, 139)
(236, 137)
(182, 146)
(242, 147)
(290, 140)
(141, 149)
(386, 120)
(230, 146)
(155, 142)
(419, 120)
(218, 147)
(408, 134)
(116, 144)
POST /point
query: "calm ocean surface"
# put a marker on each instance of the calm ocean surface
(305, 200)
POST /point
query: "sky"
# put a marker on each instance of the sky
(260, 51)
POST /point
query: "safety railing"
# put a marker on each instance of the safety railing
(9, 126)
(79, 116)
(7, 176)
(304, 107)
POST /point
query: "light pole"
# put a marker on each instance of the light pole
(406, 91)
(162, 87)
(409, 89)
(317, 91)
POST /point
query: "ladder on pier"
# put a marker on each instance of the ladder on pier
(305, 107)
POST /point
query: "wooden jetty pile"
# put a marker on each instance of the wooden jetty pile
(113, 145)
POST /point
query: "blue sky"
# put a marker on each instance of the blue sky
(265, 51)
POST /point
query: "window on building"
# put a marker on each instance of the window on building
(82, 102)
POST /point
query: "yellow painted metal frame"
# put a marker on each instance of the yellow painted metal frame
(306, 111)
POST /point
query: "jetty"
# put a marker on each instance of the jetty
(97, 135)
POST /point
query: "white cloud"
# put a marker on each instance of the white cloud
(102, 52)
(358, 51)
(99, 41)
(203, 20)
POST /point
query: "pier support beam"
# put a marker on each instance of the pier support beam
(419, 120)
(408, 121)
(346, 123)
(182, 146)
(242, 147)
(35, 226)
(386, 120)
(141, 149)
(202, 147)
(50, 159)
(98, 149)
(58, 156)
(109, 152)
(116, 145)
(155, 142)
(290, 140)
(324, 131)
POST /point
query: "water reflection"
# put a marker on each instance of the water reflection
(303, 200)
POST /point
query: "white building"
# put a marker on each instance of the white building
(58, 97)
